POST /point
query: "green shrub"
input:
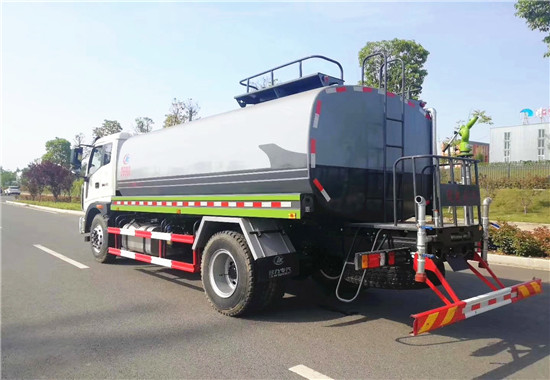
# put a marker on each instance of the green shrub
(526, 245)
(512, 241)
(504, 237)
(542, 235)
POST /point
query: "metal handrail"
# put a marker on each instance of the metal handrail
(384, 64)
(452, 160)
(248, 85)
(403, 81)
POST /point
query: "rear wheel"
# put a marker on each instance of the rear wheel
(270, 293)
(99, 239)
(228, 274)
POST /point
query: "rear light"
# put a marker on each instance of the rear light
(391, 258)
(370, 261)
(384, 257)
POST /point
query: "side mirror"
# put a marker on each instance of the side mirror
(76, 160)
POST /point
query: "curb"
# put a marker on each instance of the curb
(520, 262)
(59, 210)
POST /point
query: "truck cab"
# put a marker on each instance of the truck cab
(99, 172)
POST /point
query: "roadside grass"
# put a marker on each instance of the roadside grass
(507, 206)
(60, 205)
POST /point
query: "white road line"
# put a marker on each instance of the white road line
(308, 373)
(60, 256)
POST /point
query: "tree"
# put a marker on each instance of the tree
(107, 128)
(67, 185)
(58, 151)
(413, 55)
(79, 139)
(480, 157)
(537, 16)
(54, 177)
(7, 177)
(482, 117)
(33, 179)
(181, 112)
(144, 125)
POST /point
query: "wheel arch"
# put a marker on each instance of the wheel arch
(93, 210)
(265, 237)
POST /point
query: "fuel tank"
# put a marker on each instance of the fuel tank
(328, 142)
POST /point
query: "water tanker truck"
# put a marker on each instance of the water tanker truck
(309, 177)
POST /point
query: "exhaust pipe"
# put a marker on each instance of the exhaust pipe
(420, 275)
(485, 224)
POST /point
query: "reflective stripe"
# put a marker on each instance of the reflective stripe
(162, 262)
(449, 317)
(429, 322)
(161, 236)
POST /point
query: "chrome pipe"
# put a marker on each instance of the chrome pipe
(485, 224)
(420, 275)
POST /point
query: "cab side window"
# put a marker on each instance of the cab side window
(107, 148)
(101, 155)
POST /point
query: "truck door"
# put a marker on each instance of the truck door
(99, 186)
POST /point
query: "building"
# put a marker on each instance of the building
(527, 142)
(480, 150)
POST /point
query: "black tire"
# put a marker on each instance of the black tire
(228, 274)
(269, 293)
(99, 239)
(400, 277)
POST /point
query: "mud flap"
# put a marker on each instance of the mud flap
(279, 266)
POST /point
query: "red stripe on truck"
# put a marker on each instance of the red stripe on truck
(318, 184)
(313, 146)
(143, 234)
(318, 108)
(144, 258)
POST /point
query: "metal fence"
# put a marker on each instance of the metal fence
(500, 170)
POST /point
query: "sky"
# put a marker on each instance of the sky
(67, 66)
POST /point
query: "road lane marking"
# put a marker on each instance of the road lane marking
(308, 373)
(62, 257)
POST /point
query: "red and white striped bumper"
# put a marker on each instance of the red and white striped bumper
(177, 238)
(458, 311)
(179, 265)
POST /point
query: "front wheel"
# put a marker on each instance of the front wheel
(99, 239)
(228, 274)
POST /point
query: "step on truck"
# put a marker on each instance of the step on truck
(309, 177)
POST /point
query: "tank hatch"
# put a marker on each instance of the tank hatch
(274, 90)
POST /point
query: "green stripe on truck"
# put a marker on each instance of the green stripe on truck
(213, 211)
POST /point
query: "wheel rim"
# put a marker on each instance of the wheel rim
(96, 239)
(223, 273)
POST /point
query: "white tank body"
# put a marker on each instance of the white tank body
(257, 149)
(328, 142)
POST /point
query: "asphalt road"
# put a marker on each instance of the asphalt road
(132, 320)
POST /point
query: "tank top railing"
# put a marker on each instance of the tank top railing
(247, 81)
(463, 192)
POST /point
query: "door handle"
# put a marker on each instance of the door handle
(97, 185)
